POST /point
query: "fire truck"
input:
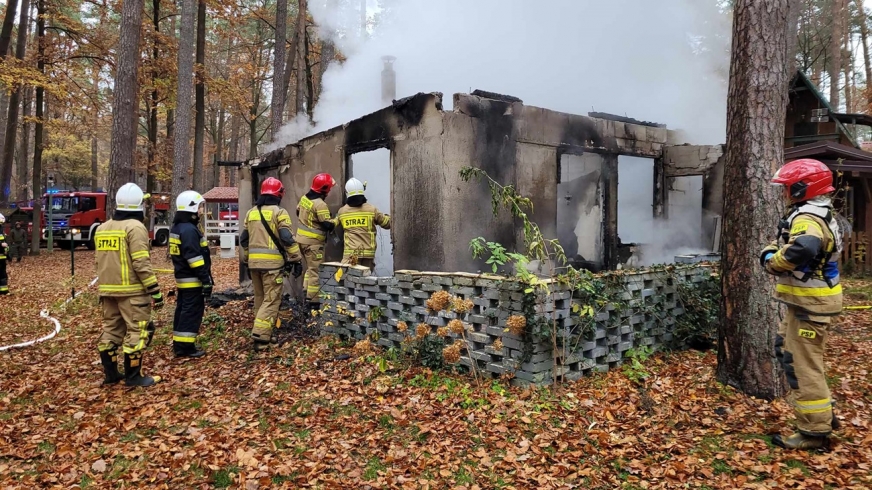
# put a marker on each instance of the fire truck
(83, 212)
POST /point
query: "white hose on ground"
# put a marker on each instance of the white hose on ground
(44, 314)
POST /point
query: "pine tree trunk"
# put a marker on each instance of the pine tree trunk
(125, 106)
(277, 105)
(14, 104)
(230, 173)
(150, 179)
(301, 81)
(8, 24)
(836, 40)
(200, 88)
(756, 110)
(219, 148)
(864, 38)
(24, 149)
(310, 85)
(37, 132)
(299, 28)
(182, 114)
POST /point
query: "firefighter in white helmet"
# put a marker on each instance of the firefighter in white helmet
(4, 286)
(192, 266)
(359, 218)
(128, 287)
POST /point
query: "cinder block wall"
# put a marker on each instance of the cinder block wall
(357, 305)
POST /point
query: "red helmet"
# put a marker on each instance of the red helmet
(272, 187)
(323, 183)
(805, 179)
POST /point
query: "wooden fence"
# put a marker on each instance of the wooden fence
(855, 258)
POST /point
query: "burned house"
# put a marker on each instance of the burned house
(571, 166)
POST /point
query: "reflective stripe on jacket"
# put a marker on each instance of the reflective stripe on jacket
(189, 250)
(814, 285)
(311, 213)
(359, 224)
(123, 262)
(262, 254)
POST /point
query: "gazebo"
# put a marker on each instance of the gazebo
(227, 218)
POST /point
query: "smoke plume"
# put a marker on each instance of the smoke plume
(665, 61)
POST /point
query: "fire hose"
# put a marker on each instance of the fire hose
(45, 314)
(57, 324)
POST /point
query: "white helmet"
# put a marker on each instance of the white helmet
(129, 198)
(354, 187)
(2, 219)
(189, 201)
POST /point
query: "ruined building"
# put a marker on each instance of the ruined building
(569, 165)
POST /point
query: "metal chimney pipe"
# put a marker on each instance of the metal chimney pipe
(388, 80)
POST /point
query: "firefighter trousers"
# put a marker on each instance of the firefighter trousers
(125, 322)
(314, 255)
(800, 347)
(190, 306)
(267, 300)
(4, 279)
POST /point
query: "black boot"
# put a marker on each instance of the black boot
(185, 349)
(133, 371)
(109, 359)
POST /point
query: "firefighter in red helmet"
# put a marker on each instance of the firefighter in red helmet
(271, 252)
(805, 261)
(315, 224)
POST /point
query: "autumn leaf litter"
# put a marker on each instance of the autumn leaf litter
(299, 418)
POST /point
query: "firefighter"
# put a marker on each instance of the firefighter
(804, 259)
(359, 218)
(315, 223)
(192, 266)
(19, 241)
(4, 287)
(269, 249)
(128, 288)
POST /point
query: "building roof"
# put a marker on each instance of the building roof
(802, 79)
(222, 195)
(837, 156)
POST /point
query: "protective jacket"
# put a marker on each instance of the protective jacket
(3, 245)
(359, 218)
(315, 220)
(4, 279)
(189, 250)
(807, 261)
(259, 250)
(123, 262)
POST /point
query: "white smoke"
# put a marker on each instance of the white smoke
(663, 61)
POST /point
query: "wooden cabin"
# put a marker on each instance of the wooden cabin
(814, 130)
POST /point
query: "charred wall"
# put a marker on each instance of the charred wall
(434, 213)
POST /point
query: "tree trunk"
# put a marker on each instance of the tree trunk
(234, 149)
(299, 28)
(793, 14)
(277, 105)
(37, 133)
(864, 38)
(836, 41)
(219, 148)
(301, 81)
(182, 119)
(310, 85)
(150, 179)
(8, 24)
(847, 66)
(125, 107)
(24, 149)
(14, 104)
(756, 109)
(200, 88)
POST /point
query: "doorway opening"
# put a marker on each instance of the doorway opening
(374, 169)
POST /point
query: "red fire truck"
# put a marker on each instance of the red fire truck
(83, 212)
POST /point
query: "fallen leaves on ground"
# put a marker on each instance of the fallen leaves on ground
(297, 418)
